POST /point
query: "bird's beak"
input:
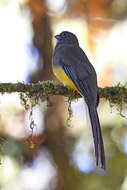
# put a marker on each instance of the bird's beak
(58, 37)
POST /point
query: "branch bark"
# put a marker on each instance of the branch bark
(116, 94)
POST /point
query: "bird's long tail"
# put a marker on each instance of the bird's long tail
(97, 136)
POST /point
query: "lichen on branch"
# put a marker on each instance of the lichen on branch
(41, 90)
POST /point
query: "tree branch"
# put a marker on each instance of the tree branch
(115, 95)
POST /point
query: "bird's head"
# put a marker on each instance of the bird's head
(67, 37)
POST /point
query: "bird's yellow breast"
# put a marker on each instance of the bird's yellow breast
(62, 76)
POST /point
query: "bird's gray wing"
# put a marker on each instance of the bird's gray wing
(83, 78)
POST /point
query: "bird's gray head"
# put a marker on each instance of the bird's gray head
(66, 37)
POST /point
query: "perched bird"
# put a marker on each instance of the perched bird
(73, 68)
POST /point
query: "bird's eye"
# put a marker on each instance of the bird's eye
(63, 35)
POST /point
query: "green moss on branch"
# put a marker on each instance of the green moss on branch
(115, 95)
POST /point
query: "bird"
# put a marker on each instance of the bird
(72, 67)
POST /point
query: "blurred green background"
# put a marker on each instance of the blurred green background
(54, 156)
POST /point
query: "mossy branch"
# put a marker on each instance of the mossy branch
(115, 95)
